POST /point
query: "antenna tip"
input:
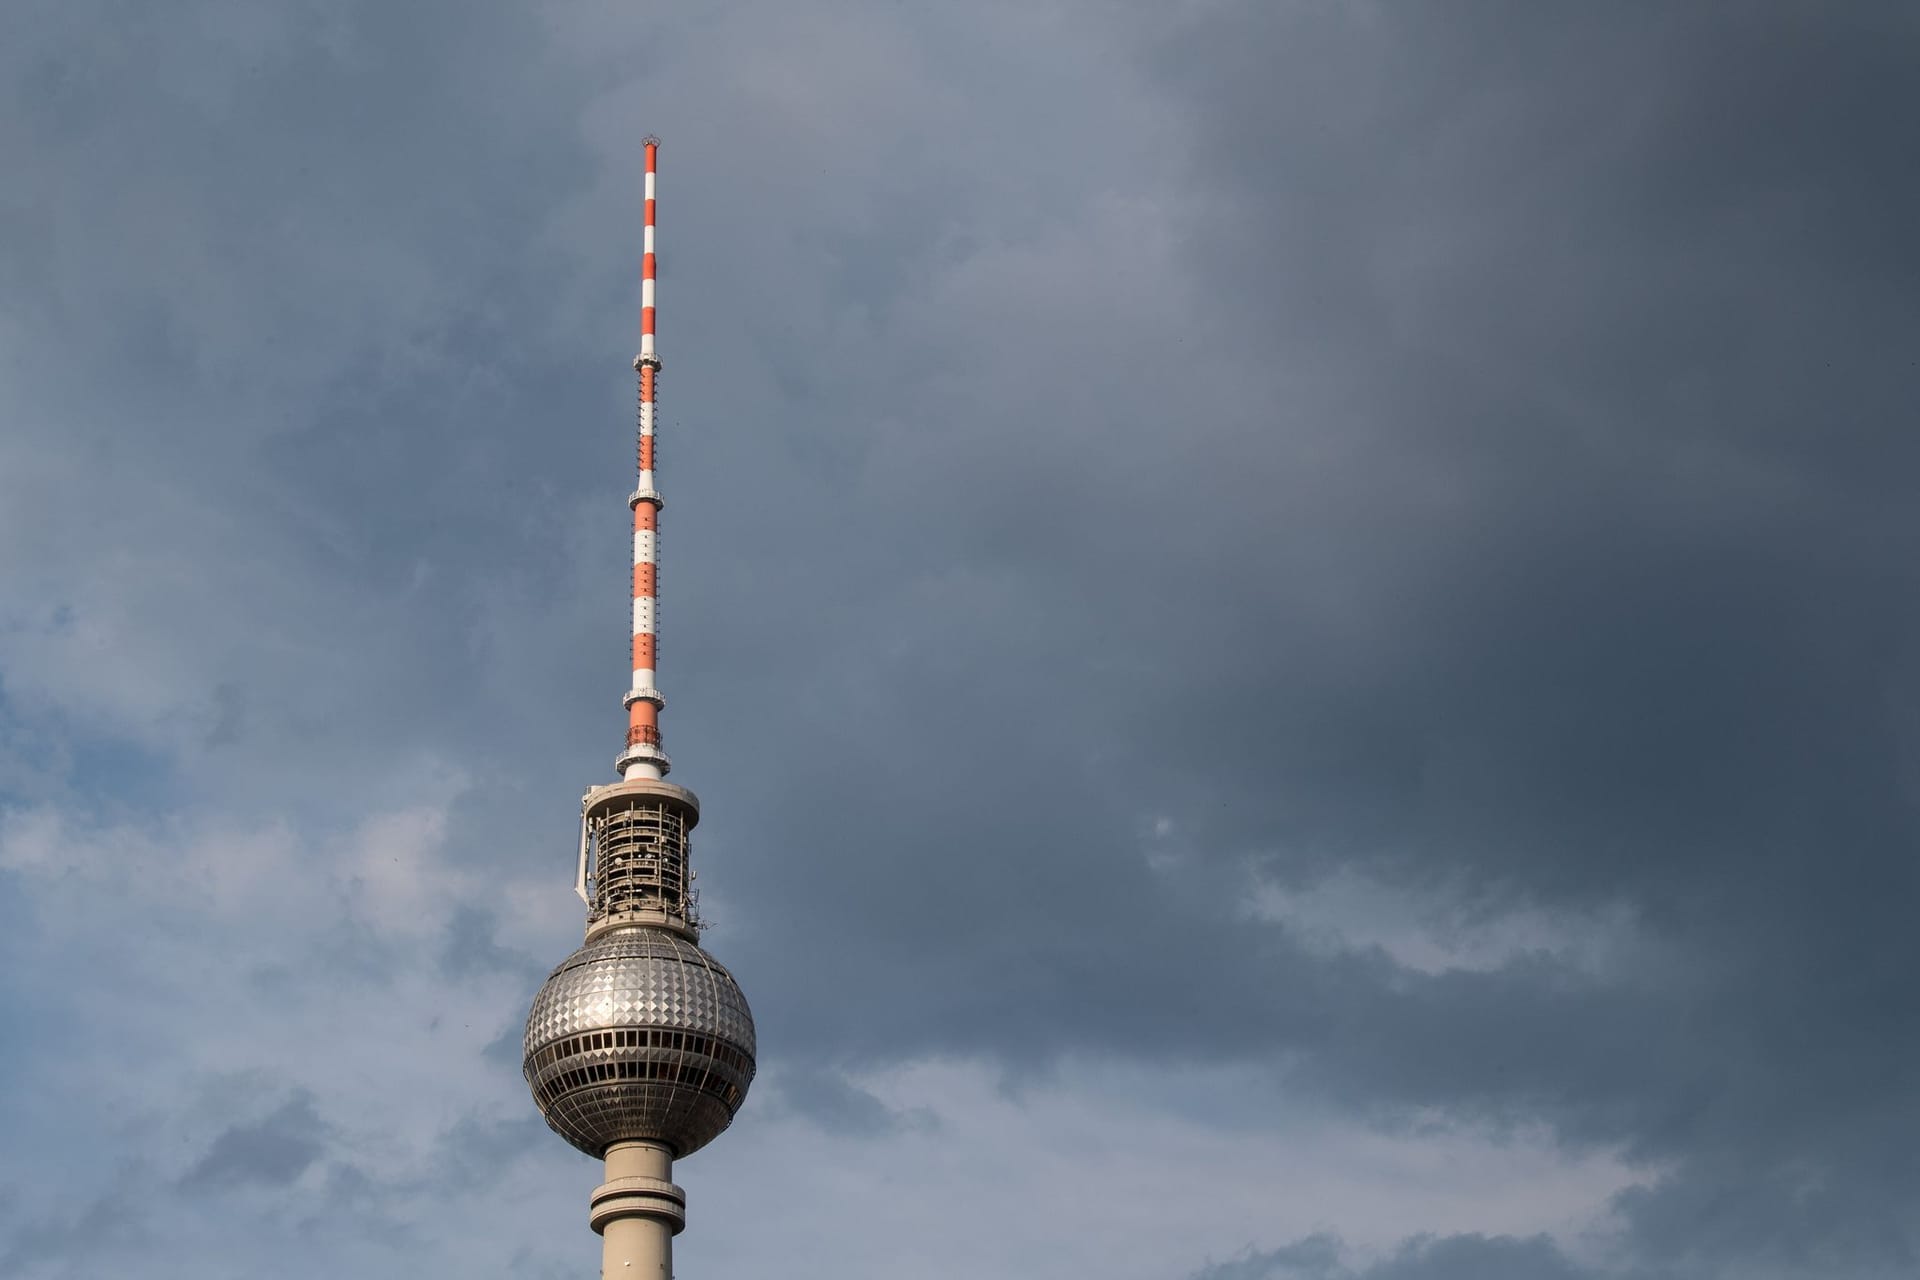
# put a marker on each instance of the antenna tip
(651, 140)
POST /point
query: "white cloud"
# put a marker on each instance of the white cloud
(211, 971)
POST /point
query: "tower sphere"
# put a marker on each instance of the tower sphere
(640, 1035)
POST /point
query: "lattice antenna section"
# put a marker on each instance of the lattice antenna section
(642, 859)
(634, 863)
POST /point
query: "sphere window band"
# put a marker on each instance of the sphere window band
(685, 1042)
(725, 1091)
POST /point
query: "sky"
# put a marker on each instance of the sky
(1296, 623)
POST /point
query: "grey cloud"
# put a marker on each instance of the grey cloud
(309, 255)
(1801, 1216)
(504, 1049)
(1455, 1257)
(474, 1154)
(95, 1229)
(1310, 1259)
(839, 1106)
(272, 1151)
(471, 948)
(1475, 1257)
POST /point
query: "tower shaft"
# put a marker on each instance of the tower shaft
(637, 1212)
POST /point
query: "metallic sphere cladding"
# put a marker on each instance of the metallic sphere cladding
(639, 1035)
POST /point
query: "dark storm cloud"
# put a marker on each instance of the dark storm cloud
(1546, 548)
(1640, 287)
(268, 223)
(1648, 349)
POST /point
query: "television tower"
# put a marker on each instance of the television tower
(639, 1048)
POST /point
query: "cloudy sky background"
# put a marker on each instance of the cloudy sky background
(1296, 622)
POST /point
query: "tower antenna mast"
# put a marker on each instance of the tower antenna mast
(644, 757)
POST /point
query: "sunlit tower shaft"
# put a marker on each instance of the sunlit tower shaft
(640, 1047)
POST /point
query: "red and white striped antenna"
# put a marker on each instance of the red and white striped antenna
(643, 757)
